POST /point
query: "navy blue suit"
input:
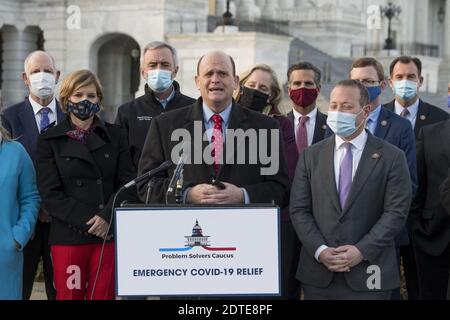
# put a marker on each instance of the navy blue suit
(19, 120)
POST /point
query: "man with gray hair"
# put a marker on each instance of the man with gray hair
(159, 67)
(25, 121)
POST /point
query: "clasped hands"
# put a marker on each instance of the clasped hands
(210, 194)
(341, 259)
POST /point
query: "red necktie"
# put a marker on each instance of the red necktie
(217, 142)
(302, 134)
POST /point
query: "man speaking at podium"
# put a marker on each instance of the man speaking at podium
(233, 155)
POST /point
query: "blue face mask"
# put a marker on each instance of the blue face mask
(159, 80)
(449, 100)
(343, 124)
(405, 89)
(374, 93)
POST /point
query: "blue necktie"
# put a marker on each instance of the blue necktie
(45, 120)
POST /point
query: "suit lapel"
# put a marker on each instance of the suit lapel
(291, 117)
(327, 167)
(320, 127)
(383, 125)
(365, 168)
(444, 135)
(60, 116)
(422, 116)
(28, 120)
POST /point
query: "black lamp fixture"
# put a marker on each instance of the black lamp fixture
(390, 11)
(441, 14)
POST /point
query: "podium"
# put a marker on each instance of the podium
(197, 251)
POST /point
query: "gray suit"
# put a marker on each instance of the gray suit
(375, 211)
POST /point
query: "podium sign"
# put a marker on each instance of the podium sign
(197, 251)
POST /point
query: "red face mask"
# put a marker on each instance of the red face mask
(304, 97)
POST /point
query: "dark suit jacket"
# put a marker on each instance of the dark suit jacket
(77, 181)
(20, 121)
(398, 131)
(261, 188)
(426, 115)
(430, 221)
(445, 193)
(319, 128)
(376, 210)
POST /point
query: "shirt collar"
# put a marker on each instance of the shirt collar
(358, 143)
(170, 97)
(375, 114)
(225, 114)
(312, 115)
(413, 109)
(37, 107)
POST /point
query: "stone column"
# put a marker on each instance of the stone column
(17, 44)
(444, 70)
(270, 9)
(247, 10)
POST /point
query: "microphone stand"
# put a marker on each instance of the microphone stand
(179, 189)
(150, 186)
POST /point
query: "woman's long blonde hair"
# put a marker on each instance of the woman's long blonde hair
(4, 134)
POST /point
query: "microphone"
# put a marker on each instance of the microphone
(176, 174)
(164, 166)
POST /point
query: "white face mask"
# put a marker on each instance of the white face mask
(42, 84)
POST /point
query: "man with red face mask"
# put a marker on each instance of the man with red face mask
(304, 88)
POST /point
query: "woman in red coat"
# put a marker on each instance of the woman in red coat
(81, 163)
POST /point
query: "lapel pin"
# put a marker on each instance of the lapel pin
(423, 117)
(376, 156)
(324, 127)
(384, 123)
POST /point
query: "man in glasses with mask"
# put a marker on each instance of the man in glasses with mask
(25, 121)
(350, 198)
(159, 67)
(390, 127)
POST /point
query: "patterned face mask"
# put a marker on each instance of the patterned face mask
(83, 110)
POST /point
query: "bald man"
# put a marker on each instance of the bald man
(25, 121)
(214, 115)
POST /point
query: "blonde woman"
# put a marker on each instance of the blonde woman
(19, 205)
(81, 163)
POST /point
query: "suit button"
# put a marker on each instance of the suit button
(101, 207)
(79, 183)
(99, 181)
(67, 159)
(106, 155)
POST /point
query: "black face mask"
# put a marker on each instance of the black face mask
(253, 99)
(83, 110)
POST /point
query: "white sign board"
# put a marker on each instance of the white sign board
(197, 251)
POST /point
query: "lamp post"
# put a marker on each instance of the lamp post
(390, 11)
(227, 16)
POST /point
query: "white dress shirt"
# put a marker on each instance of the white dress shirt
(413, 110)
(310, 124)
(37, 107)
(358, 145)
